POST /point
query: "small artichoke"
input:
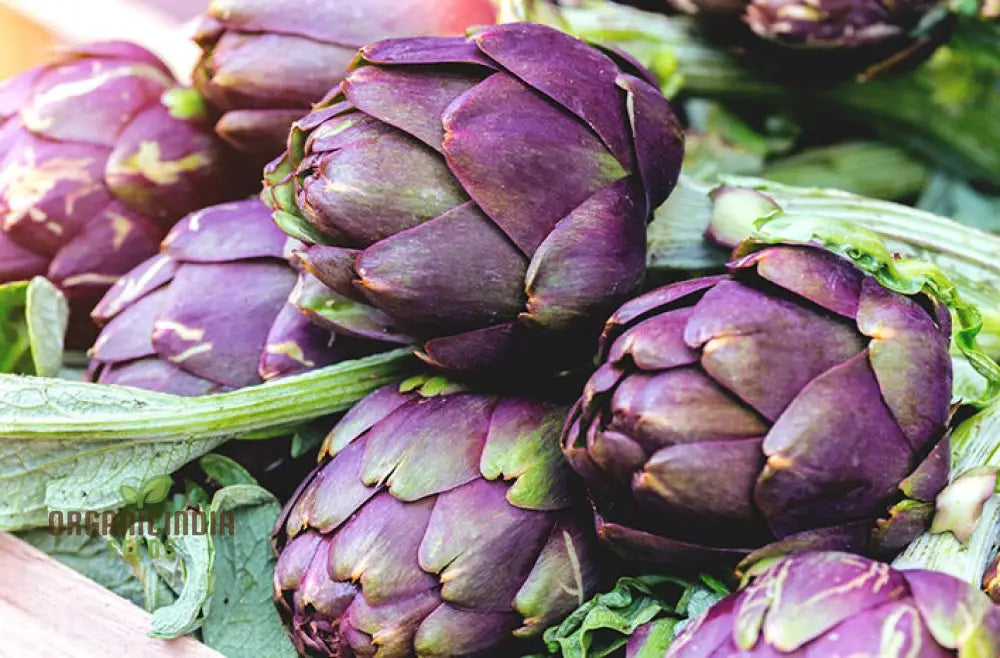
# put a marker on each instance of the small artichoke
(486, 197)
(442, 525)
(100, 153)
(264, 62)
(794, 402)
(825, 604)
(835, 23)
(211, 312)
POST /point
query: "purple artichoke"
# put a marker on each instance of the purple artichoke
(97, 161)
(486, 196)
(792, 403)
(435, 526)
(836, 23)
(822, 605)
(211, 312)
(264, 63)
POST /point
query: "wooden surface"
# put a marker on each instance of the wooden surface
(49, 610)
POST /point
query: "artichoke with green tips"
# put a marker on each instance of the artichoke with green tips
(827, 604)
(446, 525)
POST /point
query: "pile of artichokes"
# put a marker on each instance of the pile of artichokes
(478, 193)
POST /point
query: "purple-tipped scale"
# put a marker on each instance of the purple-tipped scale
(434, 526)
(825, 604)
(211, 312)
(264, 63)
(792, 403)
(485, 197)
(97, 162)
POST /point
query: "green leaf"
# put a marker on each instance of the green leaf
(184, 615)
(225, 471)
(129, 494)
(866, 168)
(155, 489)
(47, 314)
(241, 620)
(602, 626)
(33, 319)
(71, 445)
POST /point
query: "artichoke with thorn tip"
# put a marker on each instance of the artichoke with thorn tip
(792, 403)
(211, 312)
(485, 197)
(265, 62)
(100, 153)
(829, 604)
(435, 525)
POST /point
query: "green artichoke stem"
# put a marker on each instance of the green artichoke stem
(975, 443)
(259, 410)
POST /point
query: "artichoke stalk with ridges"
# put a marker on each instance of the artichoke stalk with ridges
(434, 526)
(211, 312)
(98, 158)
(822, 604)
(791, 403)
(264, 62)
(484, 196)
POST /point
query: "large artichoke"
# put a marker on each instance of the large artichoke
(211, 312)
(435, 526)
(485, 196)
(100, 154)
(827, 604)
(793, 402)
(265, 62)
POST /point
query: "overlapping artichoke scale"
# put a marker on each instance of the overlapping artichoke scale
(100, 153)
(450, 516)
(819, 604)
(171, 326)
(394, 163)
(766, 401)
(258, 63)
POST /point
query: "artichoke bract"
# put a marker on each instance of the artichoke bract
(100, 153)
(211, 312)
(794, 402)
(264, 62)
(486, 197)
(442, 525)
(822, 604)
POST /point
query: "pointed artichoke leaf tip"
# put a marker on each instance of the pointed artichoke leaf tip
(906, 276)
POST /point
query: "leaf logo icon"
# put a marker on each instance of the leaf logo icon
(152, 491)
(130, 495)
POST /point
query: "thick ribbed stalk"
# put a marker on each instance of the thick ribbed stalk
(976, 442)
